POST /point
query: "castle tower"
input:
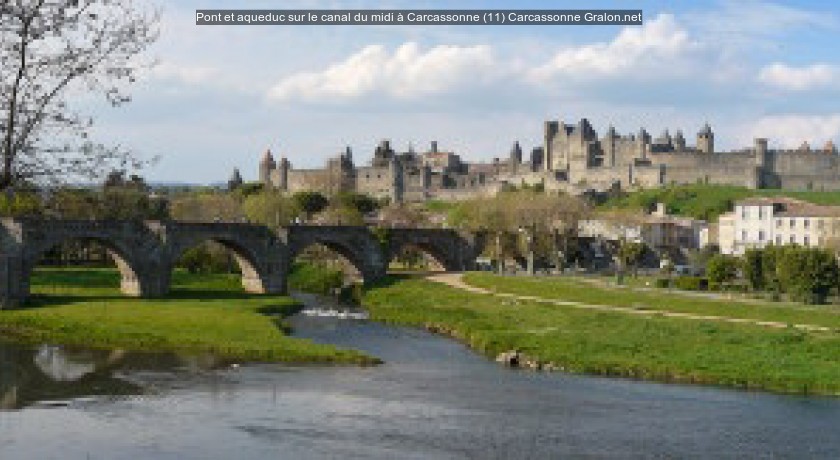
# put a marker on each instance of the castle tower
(608, 146)
(235, 180)
(706, 139)
(679, 141)
(760, 149)
(550, 131)
(266, 166)
(283, 168)
(515, 158)
(642, 142)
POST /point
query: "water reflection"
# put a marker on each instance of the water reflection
(50, 375)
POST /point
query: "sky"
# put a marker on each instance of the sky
(220, 96)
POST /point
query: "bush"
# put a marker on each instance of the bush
(691, 283)
(662, 282)
(722, 269)
(315, 278)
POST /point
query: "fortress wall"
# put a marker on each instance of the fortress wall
(308, 179)
(805, 170)
(731, 168)
(375, 181)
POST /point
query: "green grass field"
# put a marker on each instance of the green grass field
(203, 313)
(708, 201)
(608, 343)
(576, 290)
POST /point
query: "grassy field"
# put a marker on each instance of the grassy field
(204, 313)
(708, 201)
(576, 290)
(608, 343)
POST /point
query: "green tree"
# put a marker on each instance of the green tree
(630, 253)
(808, 274)
(722, 269)
(752, 266)
(270, 208)
(310, 203)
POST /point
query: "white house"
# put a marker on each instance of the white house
(759, 221)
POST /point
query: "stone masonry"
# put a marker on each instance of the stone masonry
(146, 252)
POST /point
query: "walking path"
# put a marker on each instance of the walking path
(456, 280)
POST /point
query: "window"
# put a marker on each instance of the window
(805, 241)
(779, 240)
(792, 239)
(761, 235)
(806, 223)
(820, 224)
(743, 235)
(743, 212)
(760, 213)
(792, 223)
(778, 223)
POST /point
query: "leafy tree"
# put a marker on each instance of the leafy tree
(364, 204)
(310, 202)
(808, 274)
(630, 253)
(753, 268)
(49, 49)
(722, 269)
(270, 208)
(206, 206)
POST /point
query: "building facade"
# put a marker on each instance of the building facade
(758, 222)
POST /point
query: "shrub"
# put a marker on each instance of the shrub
(691, 283)
(662, 282)
(722, 269)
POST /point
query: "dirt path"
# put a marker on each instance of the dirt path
(456, 280)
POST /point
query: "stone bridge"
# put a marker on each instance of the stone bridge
(146, 252)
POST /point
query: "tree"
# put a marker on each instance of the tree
(359, 201)
(49, 49)
(310, 202)
(753, 268)
(722, 269)
(808, 274)
(270, 208)
(630, 253)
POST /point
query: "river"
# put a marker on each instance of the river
(433, 398)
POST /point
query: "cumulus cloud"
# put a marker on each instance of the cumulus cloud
(790, 130)
(799, 78)
(654, 47)
(407, 72)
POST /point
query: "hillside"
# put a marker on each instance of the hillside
(707, 202)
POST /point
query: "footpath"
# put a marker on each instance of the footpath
(456, 280)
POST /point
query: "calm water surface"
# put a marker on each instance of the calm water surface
(432, 399)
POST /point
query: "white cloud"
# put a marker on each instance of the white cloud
(790, 130)
(190, 74)
(406, 73)
(799, 78)
(655, 47)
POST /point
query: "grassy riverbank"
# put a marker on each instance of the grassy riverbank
(577, 289)
(608, 343)
(204, 313)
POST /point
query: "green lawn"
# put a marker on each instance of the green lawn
(576, 290)
(608, 343)
(204, 313)
(708, 201)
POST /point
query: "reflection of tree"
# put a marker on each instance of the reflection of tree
(29, 376)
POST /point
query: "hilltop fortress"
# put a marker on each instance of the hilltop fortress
(572, 158)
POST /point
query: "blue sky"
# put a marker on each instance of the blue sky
(221, 95)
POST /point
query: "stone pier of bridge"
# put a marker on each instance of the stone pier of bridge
(146, 252)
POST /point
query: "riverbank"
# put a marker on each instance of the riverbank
(617, 344)
(203, 314)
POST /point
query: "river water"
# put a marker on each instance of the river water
(433, 398)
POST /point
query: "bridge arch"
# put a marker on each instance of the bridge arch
(355, 244)
(256, 250)
(129, 244)
(445, 247)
